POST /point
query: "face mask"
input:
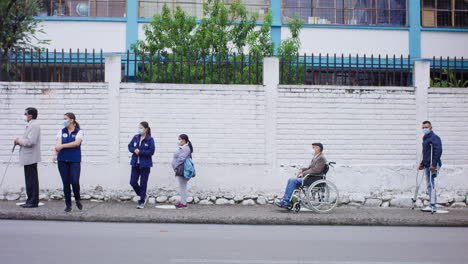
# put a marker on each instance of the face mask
(65, 123)
(179, 143)
(141, 131)
(25, 118)
(426, 131)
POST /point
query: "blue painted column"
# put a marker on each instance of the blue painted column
(132, 23)
(415, 28)
(275, 7)
(131, 34)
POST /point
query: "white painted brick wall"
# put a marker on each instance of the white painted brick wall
(448, 113)
(225, 123)
(89, 102)
(370, 131)
(357, 125)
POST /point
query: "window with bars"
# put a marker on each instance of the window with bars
(444, 13)
(348, 12)
(80, 8)
(148, 8)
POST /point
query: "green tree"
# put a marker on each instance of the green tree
(260, 41)
(290, 47)
(289, 52)
(241, 25)
(166, 33)
(184, 52)
(18, 28)
(213, 34)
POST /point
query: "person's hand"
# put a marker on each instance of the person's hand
(54, 159)
(420, 167)
(17, 141)
(432, 168)
(58, 147)
(137, 151)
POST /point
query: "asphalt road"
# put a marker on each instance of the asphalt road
(79, 242)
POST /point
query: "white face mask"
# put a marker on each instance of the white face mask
(24, 118)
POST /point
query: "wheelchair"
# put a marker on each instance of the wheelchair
(316, 193)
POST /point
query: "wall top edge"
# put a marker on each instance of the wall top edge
(175, 86)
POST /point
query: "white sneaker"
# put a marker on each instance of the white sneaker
(440, 211)
(141, 206)
(427, 209)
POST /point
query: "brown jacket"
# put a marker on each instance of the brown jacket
(316, 165)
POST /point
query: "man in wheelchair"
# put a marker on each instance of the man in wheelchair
(316, 167)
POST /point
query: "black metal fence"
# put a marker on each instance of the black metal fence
(52, 66)
(321, 69)
(449, 72)
(195, 68)
(326, 69)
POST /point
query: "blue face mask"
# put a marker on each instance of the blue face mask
(141, 131)
(179, 143)
(65, 123)
(426, 131)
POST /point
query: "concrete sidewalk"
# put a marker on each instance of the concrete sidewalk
(233, 214)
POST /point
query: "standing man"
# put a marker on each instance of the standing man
(432, 151)
(30, 155)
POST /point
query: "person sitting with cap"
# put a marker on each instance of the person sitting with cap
(317, 165)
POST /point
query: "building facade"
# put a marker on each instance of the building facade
(419, 28)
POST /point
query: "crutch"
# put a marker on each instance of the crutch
(433, 194)
(8, 165)
(418, 184)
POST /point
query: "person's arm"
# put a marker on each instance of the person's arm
(131, 147)
(58, 143)
(183, 155)
(31, 138)
(317, 167)
(74, 144)
(436, 152)
(150, 150)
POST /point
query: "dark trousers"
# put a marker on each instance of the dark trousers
(32, 183)
(70, 173)
(143, 175)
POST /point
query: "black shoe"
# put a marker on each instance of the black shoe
(68, 209)
(29, 205)
(79, 205)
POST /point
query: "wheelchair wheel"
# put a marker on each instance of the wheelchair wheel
(322, 196)
(297, 207)
(294, 200)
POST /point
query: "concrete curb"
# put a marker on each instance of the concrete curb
(243, 215)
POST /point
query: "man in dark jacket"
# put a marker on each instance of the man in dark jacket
(317, 165)
(432, 151)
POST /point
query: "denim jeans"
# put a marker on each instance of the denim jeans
(293, 184)
(431, 186)
(143, 175)
(70, 173)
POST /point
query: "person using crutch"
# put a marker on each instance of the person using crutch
(30, 155)
(431, 163)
